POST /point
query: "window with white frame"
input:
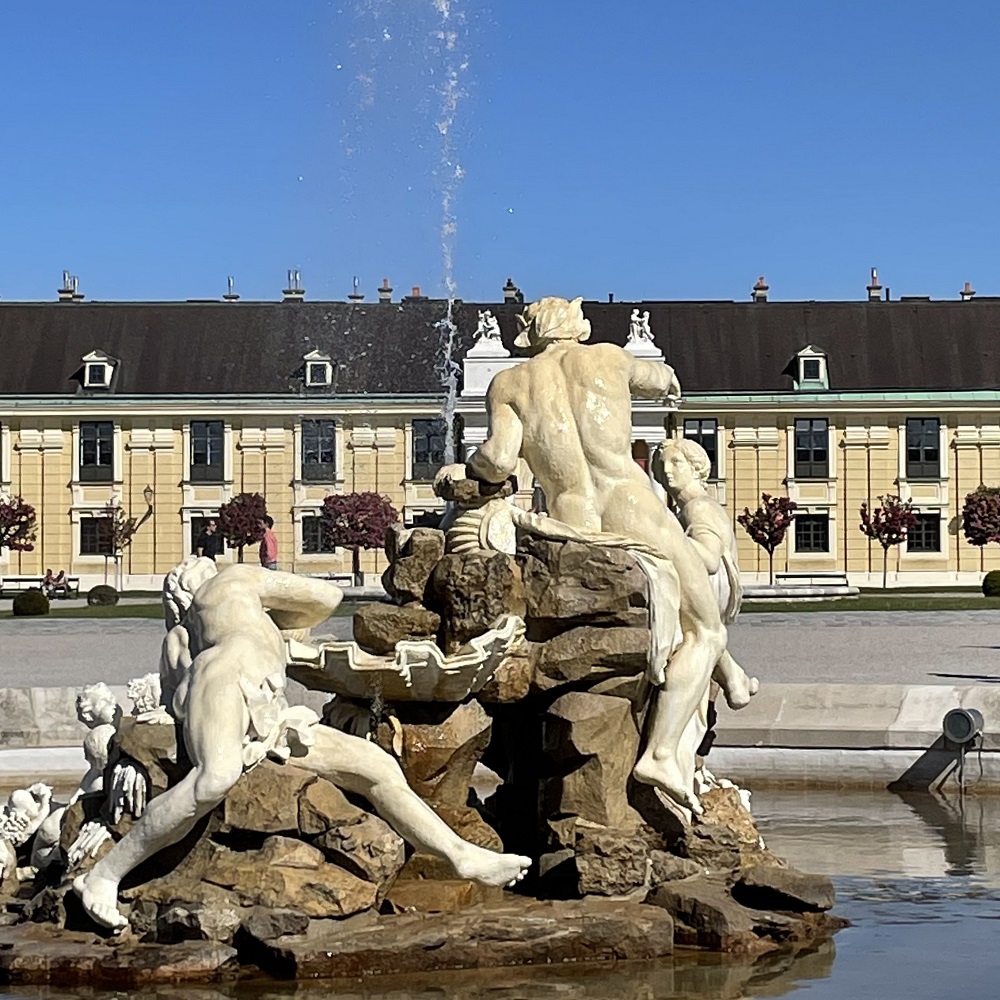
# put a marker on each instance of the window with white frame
(97, 451)
(812, 448)
(706, 433)
(314, 539)
(429, 438)
(812, 533)
(207, 451)
(95, 536)
(925, 535)
(319, 451)
(923, 448)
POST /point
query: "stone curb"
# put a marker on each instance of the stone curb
(855, 716)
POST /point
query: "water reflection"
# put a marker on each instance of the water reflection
(917, 874)
(684, 979)
(903, 834)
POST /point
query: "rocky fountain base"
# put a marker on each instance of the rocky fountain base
(291, 877)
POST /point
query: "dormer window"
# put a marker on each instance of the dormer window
(97, 370)
(318, 370)
(809, 371)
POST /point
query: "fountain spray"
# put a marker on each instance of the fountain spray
(450, 174)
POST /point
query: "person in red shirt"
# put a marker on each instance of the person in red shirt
(268, 544)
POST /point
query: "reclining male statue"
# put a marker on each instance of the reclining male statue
(567, 411)
(223, 670)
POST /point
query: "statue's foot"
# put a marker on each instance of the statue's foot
(740, 690)
(665, 775)
(100, 899)
(490, 868)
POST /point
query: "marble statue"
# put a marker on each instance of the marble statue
(638, 327)
(223, 669)
(417, 671)
(567, 412)
(24, 812)
(489, 327)
(146, 695)
(682, 468)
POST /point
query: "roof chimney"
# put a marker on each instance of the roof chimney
(875, 288)
(67, 290)
(759, 291)
(415, 293)
(294, 292)
(967, 292)
(356, 295)
(511, 293)
(231, 295)
(385, 292)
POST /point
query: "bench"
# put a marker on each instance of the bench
(19, 584)
(814, 578)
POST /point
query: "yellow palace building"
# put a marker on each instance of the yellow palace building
(170, 409)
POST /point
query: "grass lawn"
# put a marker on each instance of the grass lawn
(154, 609)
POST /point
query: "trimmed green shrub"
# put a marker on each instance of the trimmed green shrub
(31, 602)
(991, 583)
(102, 596)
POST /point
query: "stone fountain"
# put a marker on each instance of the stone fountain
(567, 663)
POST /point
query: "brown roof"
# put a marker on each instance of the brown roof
(257, 347)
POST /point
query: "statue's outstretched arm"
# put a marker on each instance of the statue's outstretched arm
(652, 379)
(496, 458)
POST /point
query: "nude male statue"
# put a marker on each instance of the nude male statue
(567, 412)
(222, 670)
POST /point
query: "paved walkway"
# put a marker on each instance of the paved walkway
(847, 647)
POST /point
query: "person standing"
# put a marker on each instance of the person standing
(268, 544)
(209, 543)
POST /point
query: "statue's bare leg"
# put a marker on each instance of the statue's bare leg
(662, 763)
(215, 745)
(737, 686)
(365, 769)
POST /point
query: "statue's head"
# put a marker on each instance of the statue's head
(679, 462)
(551, 319)
(181, 584)
(96, 705)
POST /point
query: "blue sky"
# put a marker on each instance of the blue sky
(651, 149)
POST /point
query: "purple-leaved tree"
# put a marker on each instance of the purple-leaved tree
(981, 515)
(357, 521)
(239, 521)
(768, 524)
(888, 524)
(17, 524)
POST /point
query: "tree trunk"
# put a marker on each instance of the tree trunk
(770, 567)
(356, 566)
(239, 553)
(885, 567)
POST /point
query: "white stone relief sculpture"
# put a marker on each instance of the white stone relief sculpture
(418, 671)
(227, 641)
(146, 704)
(567, 412)
(638, 327)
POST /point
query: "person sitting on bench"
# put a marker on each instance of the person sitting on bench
(53, 584)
